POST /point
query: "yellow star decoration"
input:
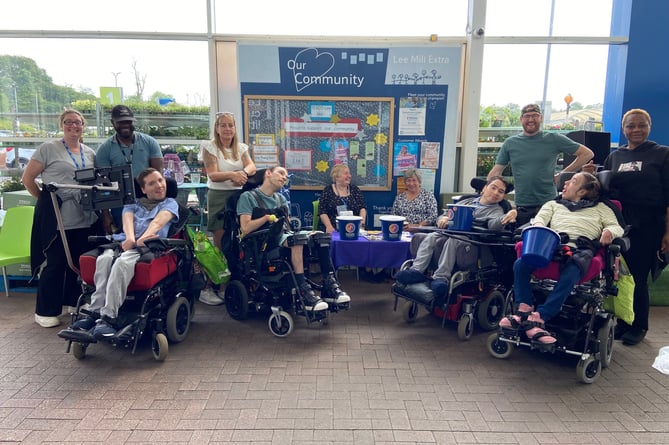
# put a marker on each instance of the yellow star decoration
(335, 118)
(282, 133)
(380, 138)
(373, 120)
(322, 166)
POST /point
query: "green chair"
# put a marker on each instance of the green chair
(15, 239)
(314, 224)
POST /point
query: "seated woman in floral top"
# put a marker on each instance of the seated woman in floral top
(418, 205)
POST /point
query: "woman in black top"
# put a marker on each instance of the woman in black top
(340, 195)
(640, 181)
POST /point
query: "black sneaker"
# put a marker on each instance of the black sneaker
(103, 330)
(311, 301)
(439, 287)
(634, 336)
(83, 324)
(332, 293)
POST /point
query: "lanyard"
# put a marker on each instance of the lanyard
(122, 147)
(344, 199)
(81, 152)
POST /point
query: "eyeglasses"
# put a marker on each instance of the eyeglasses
(225, 113)
(71, 123)
(531, 116)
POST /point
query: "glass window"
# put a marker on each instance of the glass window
(119, 15)
(41, 76)
(532, 18)
(342, 18)
(514, 74)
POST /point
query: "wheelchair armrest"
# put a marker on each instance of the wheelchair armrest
(256, 234)
(157, 243)
(100, 239)
(622, 244)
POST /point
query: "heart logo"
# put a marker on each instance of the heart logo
(309, 64)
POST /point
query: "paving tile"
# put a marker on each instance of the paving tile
(365, 378)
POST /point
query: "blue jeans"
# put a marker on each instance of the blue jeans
(569, 277)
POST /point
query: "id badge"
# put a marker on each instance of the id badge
(341, 209)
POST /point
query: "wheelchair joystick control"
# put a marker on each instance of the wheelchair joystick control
(272, 218)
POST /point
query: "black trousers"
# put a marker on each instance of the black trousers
(58, 284)
(645, 237)
(525, 214)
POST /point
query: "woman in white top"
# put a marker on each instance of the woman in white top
(228, 165)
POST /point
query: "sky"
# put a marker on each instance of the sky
(512, 73)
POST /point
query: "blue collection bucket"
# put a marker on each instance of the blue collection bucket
(391, 227)
(460, 217)
(349, 227)
(539, 244)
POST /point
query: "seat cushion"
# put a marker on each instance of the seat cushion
(147, 273)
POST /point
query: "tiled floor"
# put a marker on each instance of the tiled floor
(366, 378)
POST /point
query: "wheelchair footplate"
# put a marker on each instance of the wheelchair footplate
(77, 336)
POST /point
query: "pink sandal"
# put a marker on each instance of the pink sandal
(534, 329)
(516, 320)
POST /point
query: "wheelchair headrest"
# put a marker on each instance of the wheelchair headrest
(255, 180)
(171, 192)
(562, 179)
(603, 176)
(478, 184)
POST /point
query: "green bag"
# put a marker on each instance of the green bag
(211, 259)
(622, 305)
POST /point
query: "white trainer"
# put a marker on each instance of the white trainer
(208, 296)
(47, 322)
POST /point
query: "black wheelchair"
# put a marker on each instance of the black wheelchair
(476, 294)
(262, 278)
(583, 328)
(160, 298)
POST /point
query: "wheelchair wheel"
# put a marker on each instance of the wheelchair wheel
(410, 311)
(605, 337)
(465, 326)
(159, 346)
(79, 350)
(498, 348)
(406, 265)
(281, 325)
(588, 370)
(237, 300)
(192, 301)
(490, 311)
(178, 320)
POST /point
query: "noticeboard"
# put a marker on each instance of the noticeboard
(310, 135)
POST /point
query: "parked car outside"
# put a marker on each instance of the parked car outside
(24, 156)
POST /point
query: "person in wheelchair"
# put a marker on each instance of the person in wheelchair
(488, 213)
(258, 208)
(589, 223)
(150, 217)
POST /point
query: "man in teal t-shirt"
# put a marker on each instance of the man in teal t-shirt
(533, 158)
(127, 146)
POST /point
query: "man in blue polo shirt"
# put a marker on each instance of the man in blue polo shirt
(127, 146)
